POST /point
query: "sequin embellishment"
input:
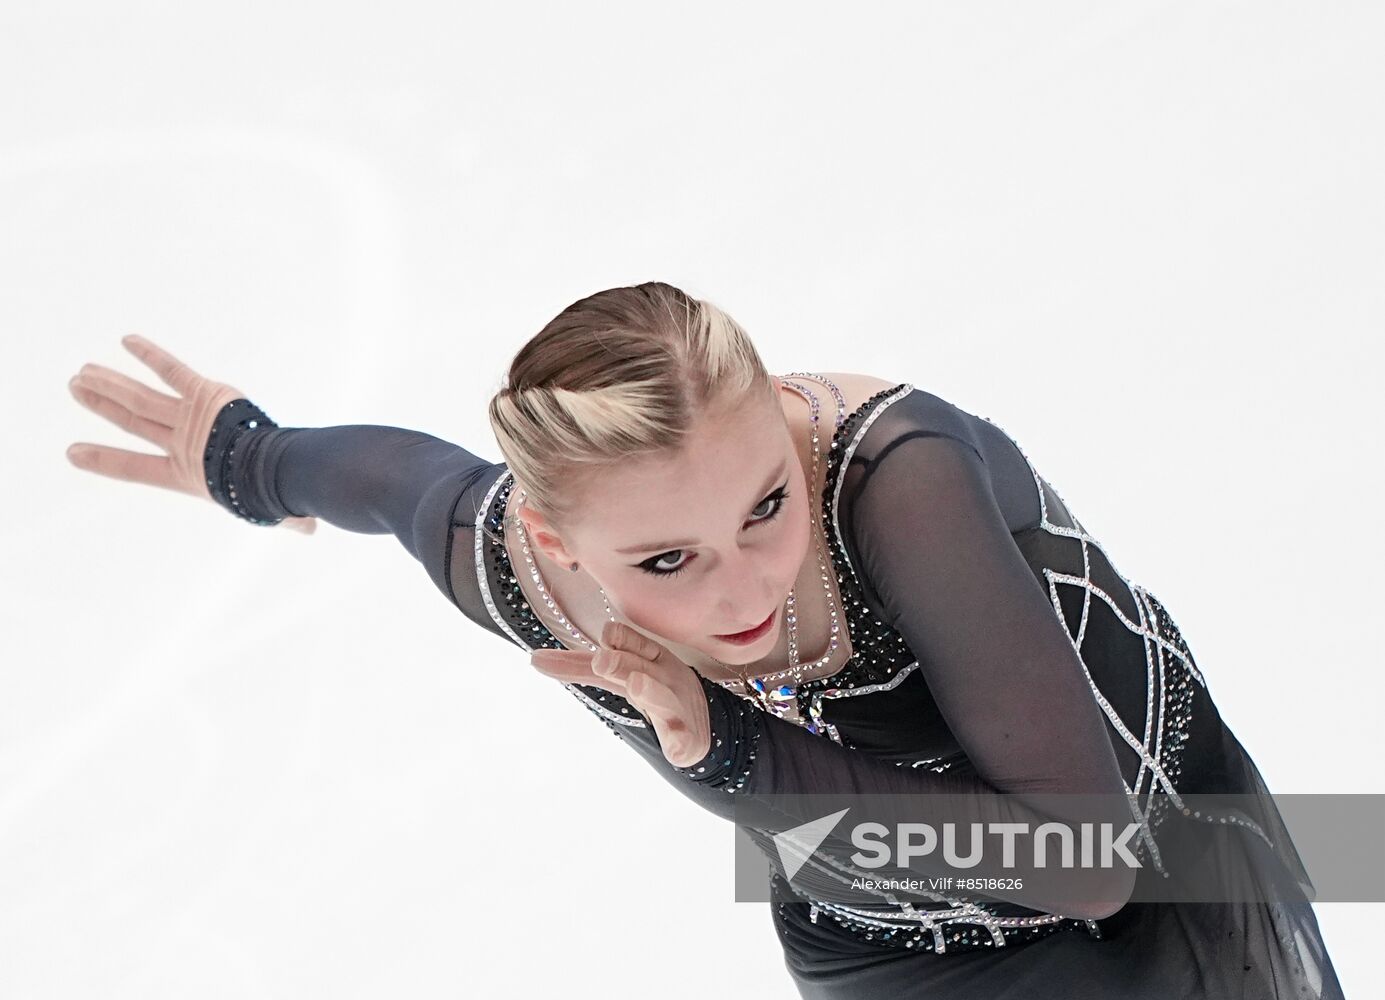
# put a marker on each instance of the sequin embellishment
(528, 632)
(229, 428)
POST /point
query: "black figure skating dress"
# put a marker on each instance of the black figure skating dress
(994, 646)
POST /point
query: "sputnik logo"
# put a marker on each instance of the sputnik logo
(796, 846)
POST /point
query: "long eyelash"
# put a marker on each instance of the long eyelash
(662, 572)
(780, 498)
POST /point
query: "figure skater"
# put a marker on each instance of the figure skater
(816, 581)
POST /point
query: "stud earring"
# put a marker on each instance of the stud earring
(573, 567)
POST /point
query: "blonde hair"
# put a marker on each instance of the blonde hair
(619, 374)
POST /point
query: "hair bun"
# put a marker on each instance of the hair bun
(620, 373)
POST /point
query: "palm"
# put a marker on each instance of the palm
(177, 424)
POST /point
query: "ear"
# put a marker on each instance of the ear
(543, 537)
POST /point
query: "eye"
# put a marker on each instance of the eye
(776, 501)
(655, 565)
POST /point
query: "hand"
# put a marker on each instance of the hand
(664, 688)
(178, 424)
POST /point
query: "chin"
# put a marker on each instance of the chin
(737, 657)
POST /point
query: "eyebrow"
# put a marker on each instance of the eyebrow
(680, 543)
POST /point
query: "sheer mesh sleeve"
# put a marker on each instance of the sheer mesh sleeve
(932, 546)
(376, 480)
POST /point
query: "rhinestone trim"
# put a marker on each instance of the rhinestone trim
(890, 396)
(878, 652)
(493, 532)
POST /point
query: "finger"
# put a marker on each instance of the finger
(174, 373)
(104, 406)
(136, 397)
(572, 666)
(117, 463)
(619, 664)
(303, 525)
(619, 635)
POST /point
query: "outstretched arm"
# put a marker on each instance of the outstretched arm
(219, 446)
(365, 478)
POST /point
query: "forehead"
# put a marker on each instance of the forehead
(724, 458)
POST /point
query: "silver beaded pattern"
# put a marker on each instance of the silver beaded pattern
(489, 544)
(879, 660)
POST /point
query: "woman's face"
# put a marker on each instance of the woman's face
(703, 543)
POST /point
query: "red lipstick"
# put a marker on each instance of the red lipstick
(750, 634)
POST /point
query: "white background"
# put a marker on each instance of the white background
(1144, 238)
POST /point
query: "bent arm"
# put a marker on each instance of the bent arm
(932, 543)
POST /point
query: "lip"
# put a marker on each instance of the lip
(751, 634)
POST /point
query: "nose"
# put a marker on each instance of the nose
(743, 591)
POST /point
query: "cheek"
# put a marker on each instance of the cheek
(665, 611)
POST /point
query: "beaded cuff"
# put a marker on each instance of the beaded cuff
(735, 725)
(231, 424)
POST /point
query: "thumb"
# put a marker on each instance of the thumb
(302, 525)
